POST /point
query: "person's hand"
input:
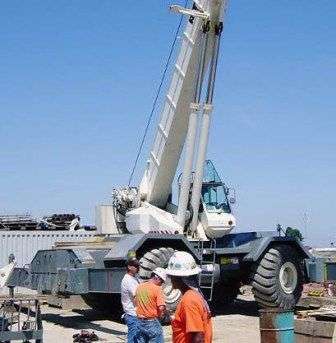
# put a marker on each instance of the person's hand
(166, 318)
(197, 337)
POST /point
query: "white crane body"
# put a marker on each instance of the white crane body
(185, 121)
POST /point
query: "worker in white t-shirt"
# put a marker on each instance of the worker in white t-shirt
(129, 285)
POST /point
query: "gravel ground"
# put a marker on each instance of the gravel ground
(239, 323)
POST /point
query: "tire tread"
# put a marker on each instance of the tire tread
(265, 284)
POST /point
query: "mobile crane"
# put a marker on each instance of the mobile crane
(151, 227)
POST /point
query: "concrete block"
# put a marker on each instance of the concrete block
(312, 331)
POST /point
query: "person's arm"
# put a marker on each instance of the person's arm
(197, 337)
(132, 296)
(161, 304)
(162, 312)
(132, 292)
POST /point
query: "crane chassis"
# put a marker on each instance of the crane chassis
(273, 265)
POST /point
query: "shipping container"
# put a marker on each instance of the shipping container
(25, 244)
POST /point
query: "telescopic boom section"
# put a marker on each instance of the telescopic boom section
(157, 181)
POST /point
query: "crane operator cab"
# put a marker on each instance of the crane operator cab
(215, 214)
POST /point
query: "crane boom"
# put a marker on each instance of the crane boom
(157, 181)
(185, 121)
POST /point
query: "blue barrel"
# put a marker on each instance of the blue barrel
(276, 326)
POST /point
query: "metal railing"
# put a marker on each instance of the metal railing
(20, 319)
(208, 268)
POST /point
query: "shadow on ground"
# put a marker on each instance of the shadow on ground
(91, 314)
(82, 320)
(239, 306)
(244, 307)
(87, 319)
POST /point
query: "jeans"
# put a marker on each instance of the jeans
(133, 328)
(150, 331)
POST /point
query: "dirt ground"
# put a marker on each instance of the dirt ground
(238, 324)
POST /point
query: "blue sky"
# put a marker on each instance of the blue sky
(77, 83)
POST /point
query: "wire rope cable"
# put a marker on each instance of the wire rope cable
(158, 92)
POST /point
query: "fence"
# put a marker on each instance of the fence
(25, 244)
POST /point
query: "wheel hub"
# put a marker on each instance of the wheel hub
(288, 277)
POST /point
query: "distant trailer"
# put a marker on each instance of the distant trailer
(54, 222)
(25, 244)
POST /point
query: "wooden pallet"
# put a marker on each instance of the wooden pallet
(309, 302)
(312, 331)
(324, 314)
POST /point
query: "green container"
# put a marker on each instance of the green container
(276, 326)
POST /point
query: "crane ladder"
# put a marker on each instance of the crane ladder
(208, 268)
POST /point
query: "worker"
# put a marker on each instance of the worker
(191, 322)
(129, 285)
(151, 307)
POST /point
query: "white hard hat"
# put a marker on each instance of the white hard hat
(161, 273)
(182, 264)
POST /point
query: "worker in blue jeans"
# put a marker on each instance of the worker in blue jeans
(150, 331)
(129, 285)
(132, 326)
(150, 307)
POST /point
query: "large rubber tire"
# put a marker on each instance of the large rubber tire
(159, 258)
(277, 280)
